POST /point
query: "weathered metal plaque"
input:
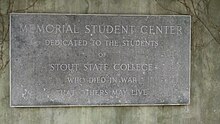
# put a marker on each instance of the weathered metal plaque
(99, 60)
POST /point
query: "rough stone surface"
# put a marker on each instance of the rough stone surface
(205, 65)
(99, 60)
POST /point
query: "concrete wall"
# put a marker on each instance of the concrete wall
(205, 76)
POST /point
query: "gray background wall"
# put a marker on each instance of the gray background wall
(205, 71)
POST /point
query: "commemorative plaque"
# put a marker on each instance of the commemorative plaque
(99, 60)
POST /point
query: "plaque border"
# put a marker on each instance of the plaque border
(99, 105)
